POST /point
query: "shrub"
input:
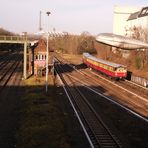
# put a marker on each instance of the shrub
(138, 62)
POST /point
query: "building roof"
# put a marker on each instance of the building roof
(40, 46)
(133, 16)
(143, 12)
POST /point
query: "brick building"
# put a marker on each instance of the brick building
(37, 58)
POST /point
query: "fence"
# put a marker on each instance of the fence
(140, 80)
(13, 39)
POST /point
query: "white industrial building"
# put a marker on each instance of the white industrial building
(139, 18)
(131, 22)
(128, 18)
(138, 23)
(121, 15)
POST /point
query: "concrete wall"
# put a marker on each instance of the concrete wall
(141, 22)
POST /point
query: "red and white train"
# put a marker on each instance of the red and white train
(110, 69)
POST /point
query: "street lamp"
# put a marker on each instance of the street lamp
(47, 52)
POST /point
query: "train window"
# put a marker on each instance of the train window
(111, 68)
(105, 67)
(120, 69)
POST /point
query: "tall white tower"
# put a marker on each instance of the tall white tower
(40, 21)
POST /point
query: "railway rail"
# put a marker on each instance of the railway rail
(4, 55)
(10, 93)
(131, 86)
(99, 134)
(8, 69)
(130, 100)
(133, 98)
(5, 59)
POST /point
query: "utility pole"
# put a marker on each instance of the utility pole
(47, 52)
(25, 56)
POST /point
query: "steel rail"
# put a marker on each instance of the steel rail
(4, 55)
(96, 74)
(101, 132)
(142, 98)
(11, 71)
(118, 104)
(5, 60)
(7, 71)
(115, 102)
(117, 85)
(75, 110)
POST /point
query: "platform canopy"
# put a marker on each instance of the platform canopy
(121, 41)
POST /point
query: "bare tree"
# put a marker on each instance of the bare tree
(141, 34)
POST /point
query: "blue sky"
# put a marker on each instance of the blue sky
(75, 16)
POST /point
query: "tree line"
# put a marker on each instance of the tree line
(74, 44)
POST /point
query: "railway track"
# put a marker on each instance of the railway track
(127, 82)
(137, 89)
(132, 96)
(4, 55)
(10, 93)
(5, 60)
(8, 70)
(99, 134)
(130, 100)
(143, 91)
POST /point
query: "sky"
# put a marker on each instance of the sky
(73, 16)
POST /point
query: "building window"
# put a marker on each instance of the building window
(40, 57)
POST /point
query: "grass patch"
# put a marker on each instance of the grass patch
(75, 59)
(41, 120)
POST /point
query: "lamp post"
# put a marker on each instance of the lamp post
(25, 56)
(47, 52)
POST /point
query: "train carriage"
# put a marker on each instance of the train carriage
(111, 69)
